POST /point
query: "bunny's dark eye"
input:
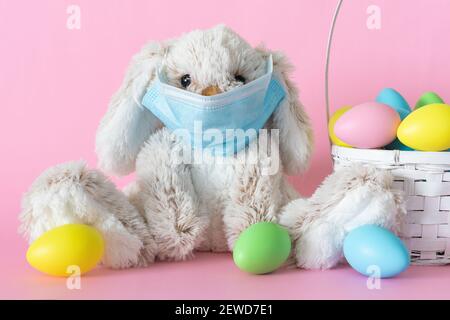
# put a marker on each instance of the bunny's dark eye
(185, 80)
(239, 78)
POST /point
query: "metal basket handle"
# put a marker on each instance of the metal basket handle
(327, 62)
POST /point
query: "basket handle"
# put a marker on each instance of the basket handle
(327, 66)
(327, 63)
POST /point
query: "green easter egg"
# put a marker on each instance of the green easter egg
(428, 98)
(262, 248)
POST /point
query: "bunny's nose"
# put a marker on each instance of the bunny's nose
(211, 90)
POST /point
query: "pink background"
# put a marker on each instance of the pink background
(55, 84)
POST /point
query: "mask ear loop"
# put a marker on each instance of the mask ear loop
(135, 99)
(158, 74)
(270, 64)
(159, 70)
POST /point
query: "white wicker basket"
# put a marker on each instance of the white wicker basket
(425, 179)
(423, 176)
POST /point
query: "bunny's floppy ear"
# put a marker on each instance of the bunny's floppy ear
(296, 137)
(127, 124)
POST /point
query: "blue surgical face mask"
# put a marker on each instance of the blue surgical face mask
(216, 122)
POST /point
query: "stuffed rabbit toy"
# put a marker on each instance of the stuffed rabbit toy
(176, 207)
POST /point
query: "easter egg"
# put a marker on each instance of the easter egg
(428, 98)
(427, 128)
(373, 250)
(262, 248)
(397, 145)
(65, 246)
(368, 125)
(395, 100)
(336, 115)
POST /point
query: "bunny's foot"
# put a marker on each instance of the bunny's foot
(71, 193)
(348, 198)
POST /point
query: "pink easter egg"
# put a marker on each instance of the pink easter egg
(369, 125)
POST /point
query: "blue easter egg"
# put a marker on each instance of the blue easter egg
(395, 100)
(397, 145)
(373, 250)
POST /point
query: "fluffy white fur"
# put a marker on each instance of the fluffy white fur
(201, 206)
(349, 198)
(174, 208)
(71, 193)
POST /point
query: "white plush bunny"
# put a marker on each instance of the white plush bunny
(174, 208)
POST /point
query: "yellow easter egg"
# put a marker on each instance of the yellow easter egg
(427, 128)
(65, 249)
(336, 115)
